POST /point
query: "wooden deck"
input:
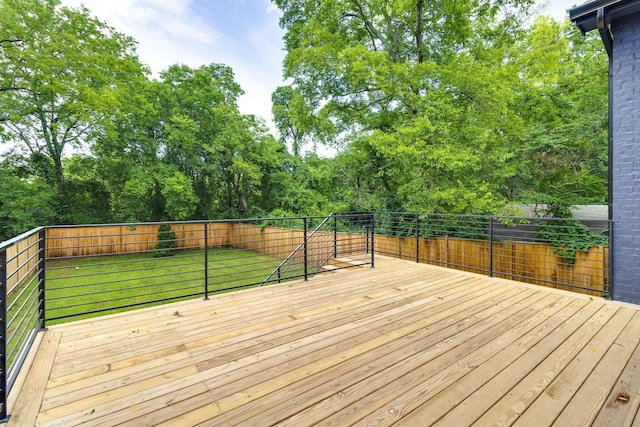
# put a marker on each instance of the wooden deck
(403, 343)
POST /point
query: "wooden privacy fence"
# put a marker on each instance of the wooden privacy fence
(523, 261)
(121, 239)
(23, 260)
(276, 242)
(65, 242)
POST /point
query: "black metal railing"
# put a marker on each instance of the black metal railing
(22, 304)
(337, 235)
(564, 253)
(53, 274)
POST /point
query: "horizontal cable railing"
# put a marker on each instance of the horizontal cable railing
(21, 305)
(100, 269)
(338, 235)
(567, 254)
(53, 274)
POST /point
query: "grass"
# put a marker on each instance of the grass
(88, 287)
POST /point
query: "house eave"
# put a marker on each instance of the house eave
(586, 16)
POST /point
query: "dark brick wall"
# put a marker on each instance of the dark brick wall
(625, 93)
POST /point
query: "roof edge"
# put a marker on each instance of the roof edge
(589, 8)
(585, 16)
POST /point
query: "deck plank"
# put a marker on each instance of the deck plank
(92, 378)
(548, 406)
(513, 404)
(347, 406)
(404, 343)
(28, 403)
(430, 404)
(287, 401)
(623, 401)
(587, 402)
(465, 411)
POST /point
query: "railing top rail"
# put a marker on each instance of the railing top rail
(26, 234)
(200, 221)
(4, 245)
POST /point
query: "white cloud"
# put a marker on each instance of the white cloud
(557, 9)
(137, 18)
(241, 34)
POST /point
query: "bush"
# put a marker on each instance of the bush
(166, 241)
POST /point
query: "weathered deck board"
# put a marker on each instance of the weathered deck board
(402, 344)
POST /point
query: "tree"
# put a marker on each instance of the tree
(420, 94)
(286, 101)
(27, 199)
(562, 98)
(185, 151)
(63, 78)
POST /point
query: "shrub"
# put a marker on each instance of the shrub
(166, 241)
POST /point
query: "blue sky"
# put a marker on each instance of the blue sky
(243, 34)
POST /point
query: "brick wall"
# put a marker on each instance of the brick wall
(625, 87)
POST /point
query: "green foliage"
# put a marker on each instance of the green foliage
(442, 106)
(286, 101)
(25, 203)
(180, 199)
(567, 237)
(63, 77)
(563, 102)
(166, 241)
(460, 227)
(473, 113)
(420, 94)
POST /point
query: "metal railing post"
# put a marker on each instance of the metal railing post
(3, 331)
(366, 238)
(610, 283)
(490, 247)
(42, 275)
(306, 263)
(417, 238)
(373, 248)
(335, 236)
(206, 261)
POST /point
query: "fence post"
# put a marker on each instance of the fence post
(304, 242)
(42, 275)
(3, 331)
(206, 261)
(417, 238)
(490, 246)
(335, 236)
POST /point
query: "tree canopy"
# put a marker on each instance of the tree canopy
(442, 106)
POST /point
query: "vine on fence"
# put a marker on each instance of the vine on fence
(569, 236)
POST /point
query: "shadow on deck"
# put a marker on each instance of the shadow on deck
(402, 343)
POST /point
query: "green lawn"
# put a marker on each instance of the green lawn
(108, 283)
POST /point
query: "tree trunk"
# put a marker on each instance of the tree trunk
(419, 31)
